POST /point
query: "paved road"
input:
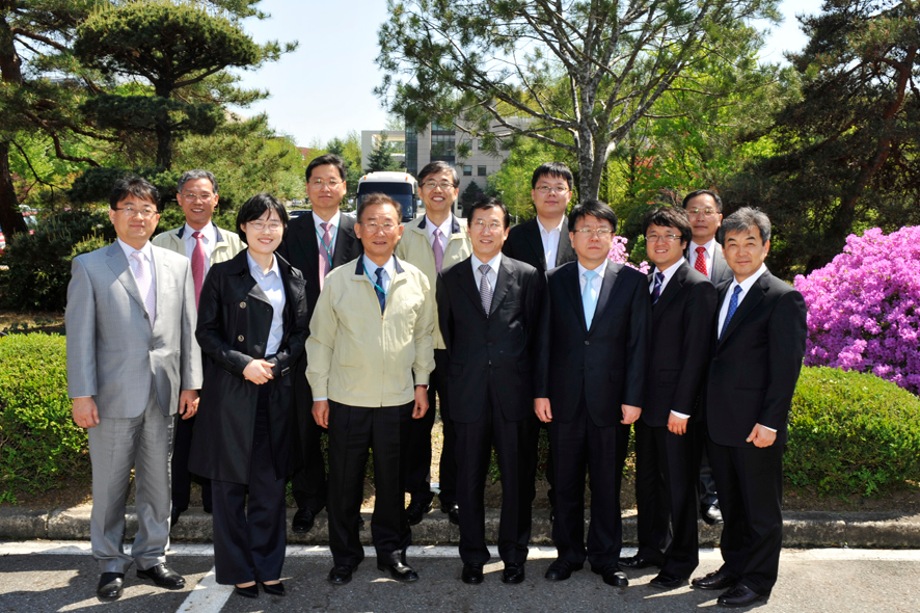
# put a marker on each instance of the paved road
(61, 576)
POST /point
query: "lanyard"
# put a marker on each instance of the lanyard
(327, 248)
(374, 283)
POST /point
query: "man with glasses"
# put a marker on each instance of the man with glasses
(315, 244)
(683, 308)
(433, 243)
(204, 244)
(132, 364)
(590, 384)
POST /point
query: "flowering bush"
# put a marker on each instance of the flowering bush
(864, 307)
(619, 255)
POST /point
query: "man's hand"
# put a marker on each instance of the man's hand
(85, 413)
(321, 413)
(258, 371)
(761, 436)
(677, 425)
(542, 409)
(630, 413)
(188, 403)
(421, 402)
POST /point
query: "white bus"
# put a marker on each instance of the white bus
(400, 186)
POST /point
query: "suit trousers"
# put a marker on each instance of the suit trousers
(666, 498)
(250, 531)
(180, 476)
(750, 482)
(309, 483)
(418, 475)
(517, 477)
(352, 431)
(115, 447)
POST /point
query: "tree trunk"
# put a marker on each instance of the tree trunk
(10, 218)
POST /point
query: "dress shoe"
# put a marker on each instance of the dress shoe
(163, 576)
(740, 596)
(453, 512)
(396, 565)
(416, 511)
(273, 589)
(303, 521)
(110, 586)
(711, 514)
(340, 574)
(615, 577)
(249, 591)
(472, 574)
(667, 581)
(637, 561)
(513, 573)
(560, 570)
(174, 517)
(717, 580)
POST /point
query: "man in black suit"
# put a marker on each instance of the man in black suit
(683, 308)
(315, 244)
(590, 380)
(488, 308)
(757, 355)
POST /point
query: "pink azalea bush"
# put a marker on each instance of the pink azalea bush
(864, 307)
(619, 255)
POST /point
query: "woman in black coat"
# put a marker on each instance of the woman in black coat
(252, 325)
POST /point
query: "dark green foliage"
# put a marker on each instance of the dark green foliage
(40, 447)
(852, 434)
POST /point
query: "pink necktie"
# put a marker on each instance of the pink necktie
(700, 264)
(438, 250)
(198, 264)
(145, 286)
(324, 266)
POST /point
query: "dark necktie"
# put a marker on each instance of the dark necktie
(732, 307)
(656, 289)
(381, 294)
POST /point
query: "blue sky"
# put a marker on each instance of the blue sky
(325, 88)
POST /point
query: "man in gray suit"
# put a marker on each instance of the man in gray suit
(132, 362)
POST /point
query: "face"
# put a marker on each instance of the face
(745, 251)
(198, 201)
(325, 189)
(263, 235)
(135, 220)
(590, 247)
(705, 218)
(379, 230)
(435, 195)
(551, 196)
(664, 246)
(487, 232)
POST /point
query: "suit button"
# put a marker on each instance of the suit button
(587, 342)
(240, 338)
(243, 305)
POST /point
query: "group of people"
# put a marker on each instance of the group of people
(359, 327)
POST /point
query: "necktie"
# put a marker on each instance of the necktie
(145, 285)
(381, 291)
(732, 307)
(438, 250)
(198, 261)
(589, 297)
(324, 265)
(656, 289)
(485, 289)
(700, 264)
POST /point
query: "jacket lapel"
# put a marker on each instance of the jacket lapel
(468, 283)
(119, 266)
(750, 301)
(502, 283)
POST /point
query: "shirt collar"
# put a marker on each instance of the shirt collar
(147, 249)
(494, 263)
(748, 283)
(256, 271)
(669, 271)
(445, 227)
(557, 228)
(371, 267)
(208, 232)
(600, 270)
(710, 246)
(334, 221)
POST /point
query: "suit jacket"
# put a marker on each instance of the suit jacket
(680, 343)
(756, 363)
(490, 356)
(524, 244)
(721, 273)
(228, 243)
(606, 364)
(234, 321)
(113, 354)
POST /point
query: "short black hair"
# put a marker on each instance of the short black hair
(435, 167)
(194, 175)
(746, 218)
(376, 199)
(669, 217)
(552, 169)
(594, 208)
(489, 202)
(327, 159)
(132, 185)
(703, 192)
(255, 207)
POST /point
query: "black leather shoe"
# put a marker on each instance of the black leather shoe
(397, 567)
(453, 513)
(711, 514)
(174, 517)
(740, 596)
(615, 577)
(560, 570)
(716, 580)
(273, 589)
(416, 511)
(340, 574)
(636, 562)
(110, 586)
(303, 521)
(513, 573)
(667, 581)
(163, 576)
(250, 591)
(472, 574)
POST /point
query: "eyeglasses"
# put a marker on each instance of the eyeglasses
(444, 185)
(259, 226)
(193, 197)
(708, 211)
(320, 184)
(480, 224)
(546, 189)
(662, 238)
(373, 226)
(130, 211)
(598, 232)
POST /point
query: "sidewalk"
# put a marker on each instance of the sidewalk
(801, 530)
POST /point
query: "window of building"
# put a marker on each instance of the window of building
(480, 171)
(467, 171)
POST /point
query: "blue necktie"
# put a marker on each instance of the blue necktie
(381, 294)
(589, 297)
(656, 289)
(732, 307)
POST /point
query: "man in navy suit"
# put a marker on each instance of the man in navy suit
(488, 307)
(590, 379)
(759, 344)
(683, 308)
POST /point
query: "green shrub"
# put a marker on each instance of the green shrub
(852, 433)
(40, 447)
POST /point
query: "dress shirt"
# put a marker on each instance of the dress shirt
(668, 273)
(550, 240)
(333, 224)
(147, 250)
(494, 263)
(389, 269)
(710, 250)
(597, 281)
(273, 286)
(208, 240)
(444, 228)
